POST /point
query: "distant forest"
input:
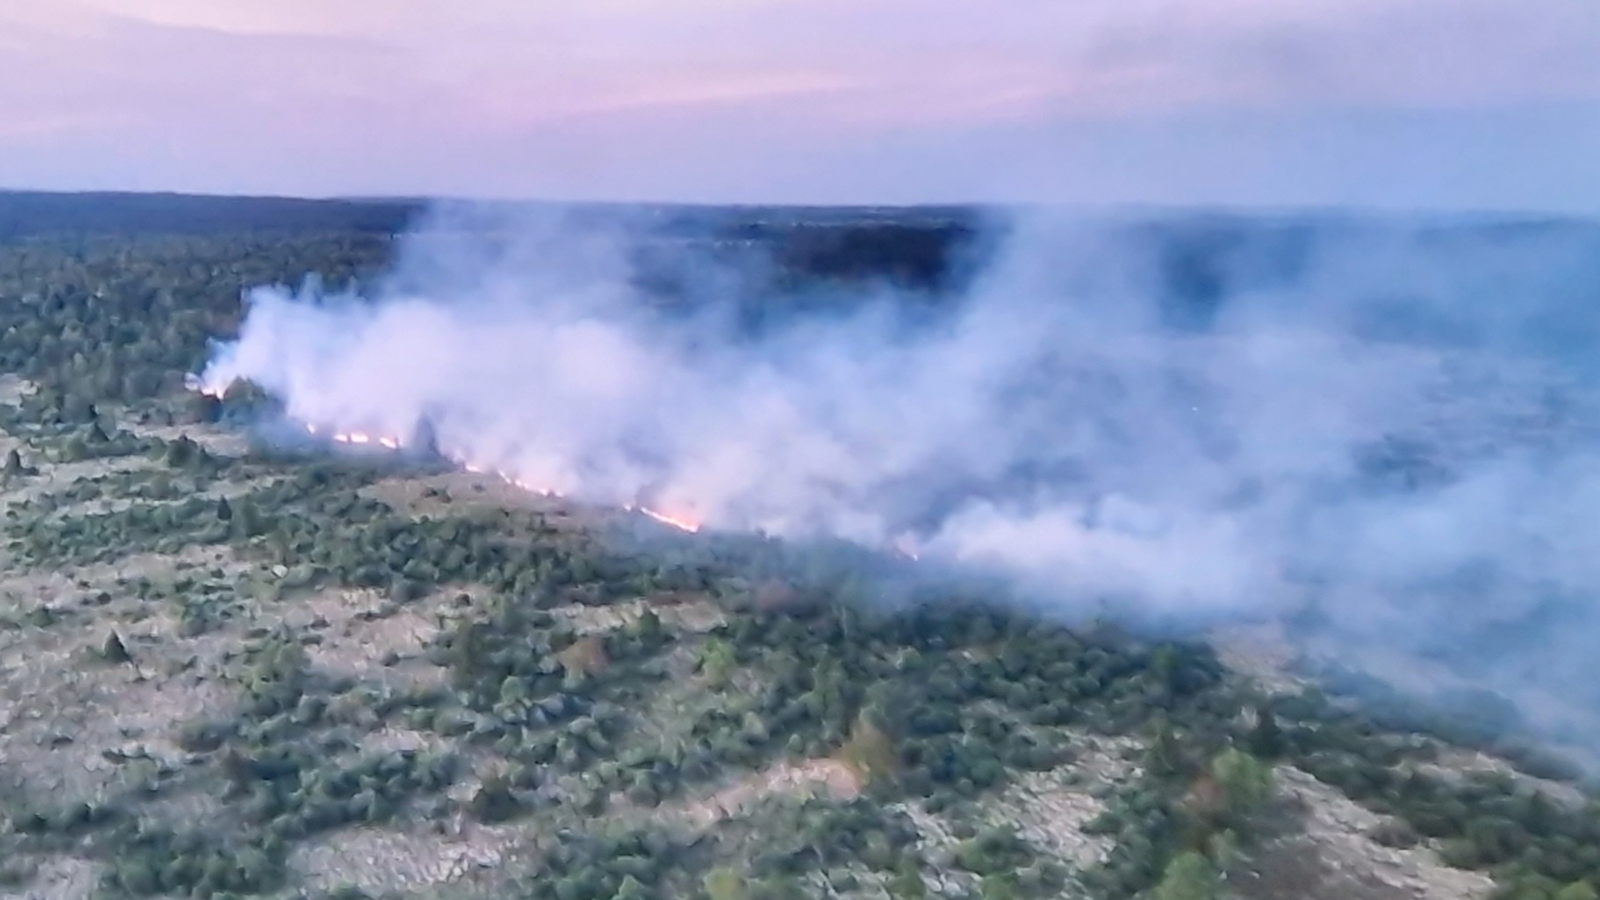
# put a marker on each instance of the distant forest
(916, 248)
(25, 214)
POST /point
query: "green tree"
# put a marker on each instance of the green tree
(717, 662)
(494, 800)
(631, 888)
(1223, 849)
(114, 651)
(723, 883)
(77, 410)
(1189, 876)
(15, 467)
(1266, 738)
(183, 452)
(1578, 890)
(1000, 886)
(907, 883)
(869, 751)
(1245, 783)
(197, 407)
(1164, 758)
(246, 520)
(648, 628)
(75, 450)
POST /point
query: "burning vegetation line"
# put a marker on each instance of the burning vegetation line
(680, 521)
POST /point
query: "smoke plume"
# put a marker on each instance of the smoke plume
(1386, 427)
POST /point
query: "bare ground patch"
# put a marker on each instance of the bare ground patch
(65, 584)
(57, 878)
(13, 388)
(54, 477)
(213, 440)
(69, 717)
(1330, 856)
(380, 860)
(1051, 808)
(454, 493)
(217, 490)
(1261, 653)
(76, 725)
(1048, 809)
(1457, 764)
(691, 613)
(361, 633)
(799, 779)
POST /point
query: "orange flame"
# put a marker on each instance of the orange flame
(193, 383)
(360, 438)
(679, 522)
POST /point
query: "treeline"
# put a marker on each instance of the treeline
(25, 214)
(125, 318)
(114, 297)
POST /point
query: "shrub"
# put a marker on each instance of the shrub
(725, 884)
(869, 752)
(1245, 783)
(1189, 876)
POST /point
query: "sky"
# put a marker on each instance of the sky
(1439, 104)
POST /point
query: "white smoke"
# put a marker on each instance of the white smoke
(1068, 422)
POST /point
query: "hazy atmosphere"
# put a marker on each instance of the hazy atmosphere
(799, 449)
(1393, 424)
(1394, 103)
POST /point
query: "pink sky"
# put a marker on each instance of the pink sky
(1397, 102)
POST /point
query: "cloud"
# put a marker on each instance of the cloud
(494, 97)
(1096, 55)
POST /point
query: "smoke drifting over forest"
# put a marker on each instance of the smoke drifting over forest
(1392, 423)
